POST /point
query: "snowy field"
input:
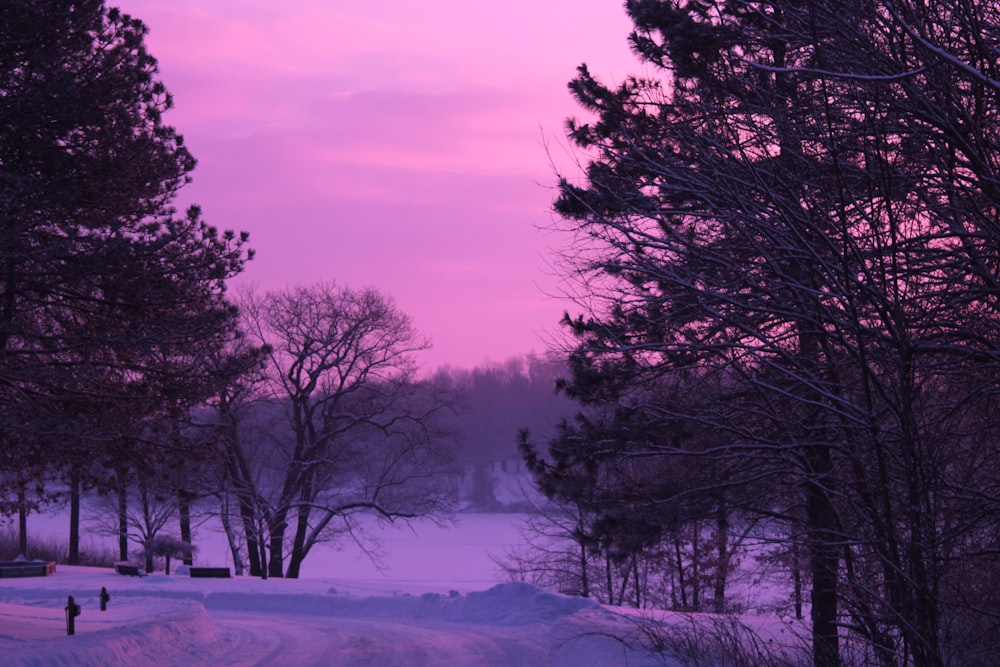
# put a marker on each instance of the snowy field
(436, 602)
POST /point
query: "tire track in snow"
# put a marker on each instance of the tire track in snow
(254, 639)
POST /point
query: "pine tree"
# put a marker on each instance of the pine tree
(797, 201)
(108, 298)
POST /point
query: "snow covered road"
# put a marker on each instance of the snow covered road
(256, 639)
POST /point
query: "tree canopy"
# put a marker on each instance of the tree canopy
(103, 287)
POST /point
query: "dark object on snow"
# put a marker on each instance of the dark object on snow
(128, 570)
(72, 611)
(26, 568)
(209, 572)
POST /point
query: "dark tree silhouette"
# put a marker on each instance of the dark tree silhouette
(357, 433)
(797, 204)
(108, 298)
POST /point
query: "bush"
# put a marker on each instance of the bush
(167, 547)
(713, 641)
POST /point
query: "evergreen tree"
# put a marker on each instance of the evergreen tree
(640, 482)
(108, 298)
(797, 204)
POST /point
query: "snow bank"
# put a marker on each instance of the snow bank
(138, 634)
(175, 620)
(518, 604)
(509, 604)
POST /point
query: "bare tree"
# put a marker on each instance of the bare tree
(136, 514)
(358, 434)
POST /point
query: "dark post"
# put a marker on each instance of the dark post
(104, 598)
(22, 523)
(72, 611)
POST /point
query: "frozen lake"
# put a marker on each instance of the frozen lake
(422, 555)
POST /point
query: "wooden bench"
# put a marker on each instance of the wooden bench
(127, 570)
(209, 572)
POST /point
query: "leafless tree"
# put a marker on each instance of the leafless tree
(357, 433)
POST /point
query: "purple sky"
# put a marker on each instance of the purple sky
(399, 144)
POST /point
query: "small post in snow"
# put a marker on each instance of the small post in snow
(104, 598)
(72, 611)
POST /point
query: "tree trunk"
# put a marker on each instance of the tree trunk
(299, 544)
(797, 579)
(611, 585)
(122, 519)
(262, 550)
(638, 589)
(276, 530)
(824, 561)
(626, 576)
(680, 573)
(696, 567)
(184, 510)
(294, 565)
(303, 540)
(256, 554)
(147, 519)
(275, 564)
(234, 547)
(74, 516)
(22, 521)
(722, 567)
(821, 517)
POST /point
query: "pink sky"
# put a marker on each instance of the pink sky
(399, 144)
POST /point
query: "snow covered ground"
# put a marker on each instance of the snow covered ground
(437, 603)
(176, 620)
